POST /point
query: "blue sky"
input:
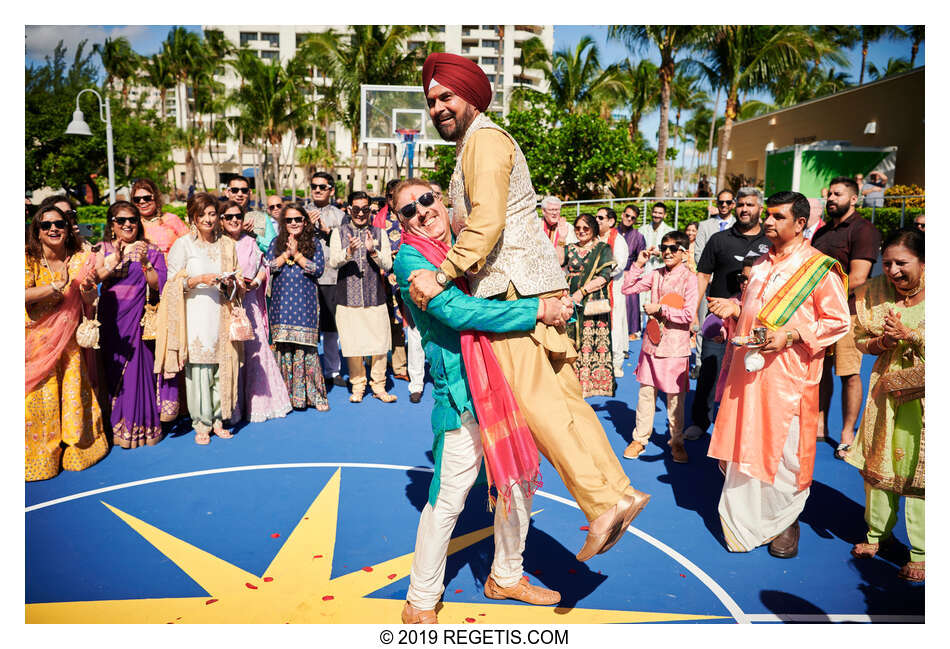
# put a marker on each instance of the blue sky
(147, 39)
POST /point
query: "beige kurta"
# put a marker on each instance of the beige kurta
(539, 364)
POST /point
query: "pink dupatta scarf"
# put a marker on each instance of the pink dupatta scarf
(47, 337)
(511, 457)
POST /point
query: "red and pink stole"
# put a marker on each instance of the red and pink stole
(511, 457)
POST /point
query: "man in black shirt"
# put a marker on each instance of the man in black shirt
(718, 270)
(855, 243)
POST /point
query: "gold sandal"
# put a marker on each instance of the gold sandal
(385, 397)
(912, 571)
(221, 431)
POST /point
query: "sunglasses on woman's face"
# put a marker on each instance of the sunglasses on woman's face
(409, 211)
(239, 190)
(122, 220)
(582, 228)
(294, 219)
(58, 223)
(144, 198)
(670, 248)
(231, 216)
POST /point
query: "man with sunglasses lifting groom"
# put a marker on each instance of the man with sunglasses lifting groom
(505, 255)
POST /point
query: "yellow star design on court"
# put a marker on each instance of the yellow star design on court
(296, 587)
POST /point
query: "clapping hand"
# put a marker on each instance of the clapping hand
(291, 246)
(135, 252)
(370, 243)
(352, 245)
(894, 328)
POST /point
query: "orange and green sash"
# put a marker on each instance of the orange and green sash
(779, 309)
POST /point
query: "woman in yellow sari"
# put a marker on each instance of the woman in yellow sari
(63, 420)
(889, 447)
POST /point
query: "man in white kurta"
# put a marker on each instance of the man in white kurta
(620, 342)
(653, 232)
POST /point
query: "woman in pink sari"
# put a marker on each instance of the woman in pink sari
(161, 230)
(63, 420)
(262, 393)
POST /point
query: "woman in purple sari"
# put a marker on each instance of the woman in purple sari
(262, 393)
(636, 243)
(131, 272)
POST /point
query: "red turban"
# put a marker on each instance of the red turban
(458, 74)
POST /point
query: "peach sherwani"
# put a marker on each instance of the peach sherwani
(757, 408)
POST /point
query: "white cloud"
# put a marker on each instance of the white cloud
(41, 40)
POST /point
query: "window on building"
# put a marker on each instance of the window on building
(491, 27)
(301, 37)
(271, 37)
(489, 60)
(270, 55)
(247, 37)
(490, 42)
(440, 29)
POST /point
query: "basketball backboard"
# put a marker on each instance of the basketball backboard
(386, 109)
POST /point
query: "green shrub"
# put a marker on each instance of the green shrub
(888, 219)
(689, 212)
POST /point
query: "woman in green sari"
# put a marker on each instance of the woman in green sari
(889, 447)
(589, 265)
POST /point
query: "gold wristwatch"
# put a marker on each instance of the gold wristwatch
(441, 278)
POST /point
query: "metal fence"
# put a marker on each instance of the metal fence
(644, 201)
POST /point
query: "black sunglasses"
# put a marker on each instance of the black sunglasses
(409, 211)
(275, 206)
(670, 247)
(239, 190)
(320, 187)
(360, 210)
(122, 220)
(59, 223)
(293, 219)
(70, 214)
(582, 228)
(230, 216)
(725, 202)
(145, 198)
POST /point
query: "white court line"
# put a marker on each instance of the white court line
(835, 617)
(716, 589)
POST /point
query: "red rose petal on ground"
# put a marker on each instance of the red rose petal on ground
(268, 579)
(468, 619)
(392, 576)
(327, 598)
(367, 569)
(306, 518)
(318, 556)
(599, 572)
(571, 571)
(458, 590)
(536, 573)
(251, 586)
(210, 601)
(682, 575)
(481, 614)
(585, 528)
(275, 535)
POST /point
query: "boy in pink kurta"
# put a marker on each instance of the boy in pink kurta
(665, 366)
(767, 421)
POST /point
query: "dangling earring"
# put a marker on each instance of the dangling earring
(194, 231)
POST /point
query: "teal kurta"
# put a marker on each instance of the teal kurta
(263, 242)
(439, 325)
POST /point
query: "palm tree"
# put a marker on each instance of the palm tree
(273, 102)
(916, 35)
(364, 54)
(685, 94)
(576, 80)
(803, 83)
(894, 66)
(874, 33)
(120, 62)
(671, 40)
(638, 88)
(749, 57)
(158, 75)
(179, 50)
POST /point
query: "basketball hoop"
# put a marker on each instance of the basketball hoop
(409, 137)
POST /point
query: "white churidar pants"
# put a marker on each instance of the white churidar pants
(415, 359)
(619, 335)
(461, 459)
(753, 512)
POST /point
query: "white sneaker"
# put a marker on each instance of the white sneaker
(694, 432)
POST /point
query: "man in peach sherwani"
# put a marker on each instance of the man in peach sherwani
(765, 429)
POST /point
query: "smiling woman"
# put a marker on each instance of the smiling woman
(61, 406)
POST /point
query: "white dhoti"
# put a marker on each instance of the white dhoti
(620, 337)
(753, 512)
(461, 459)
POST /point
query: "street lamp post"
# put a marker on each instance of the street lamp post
(79, 127)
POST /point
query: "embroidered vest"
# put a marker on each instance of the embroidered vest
(523, 254)
(359, 277)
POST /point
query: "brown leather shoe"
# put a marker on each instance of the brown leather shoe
(413, 615)
(679, 452)
(785, 545)
(523, 592)
(640, 501)
(633, 450)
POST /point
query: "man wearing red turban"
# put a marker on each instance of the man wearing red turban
(505, 255)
